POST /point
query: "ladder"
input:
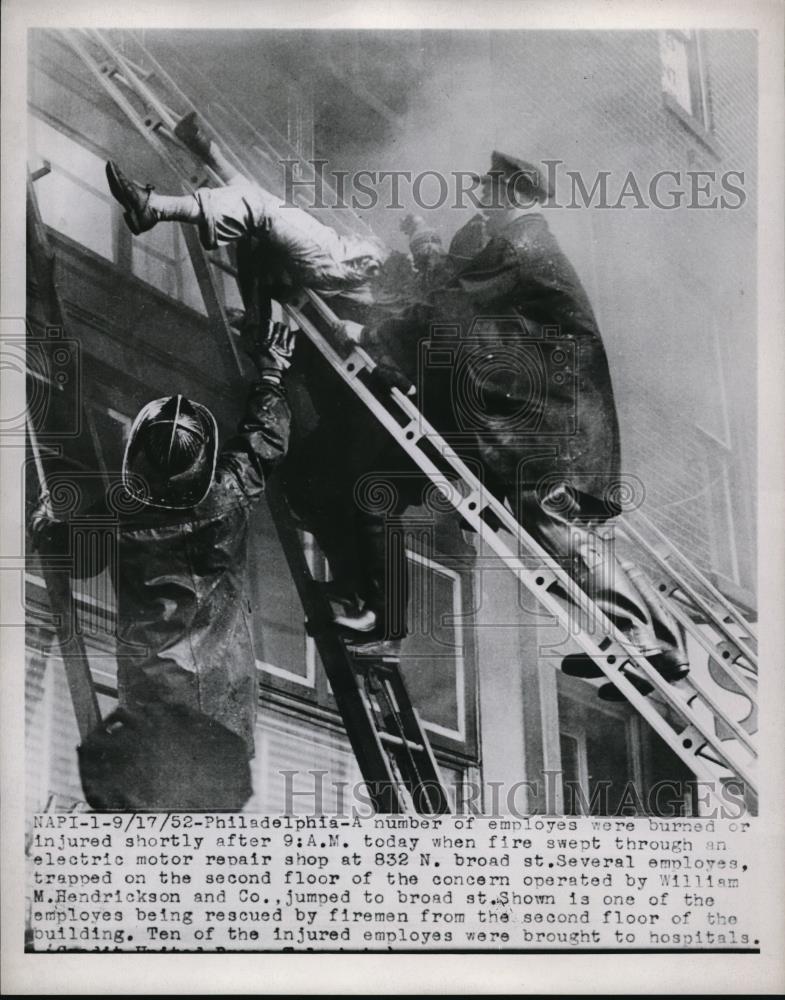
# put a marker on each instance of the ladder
(56, 575)
(688, 716)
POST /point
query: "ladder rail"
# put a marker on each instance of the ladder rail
(406, 718)
(57, 581)
(723, 660)
(708, 699)
(411, 718)
(718, 596)
(729, 667)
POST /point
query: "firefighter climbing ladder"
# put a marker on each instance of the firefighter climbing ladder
(688, 716)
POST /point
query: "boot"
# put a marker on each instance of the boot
(609, 692)
(668, 663)
(190, 135)
(135, 199)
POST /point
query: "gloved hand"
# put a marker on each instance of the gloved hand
(390, 377)
(42, 523)
(274, 350)
(345, 335)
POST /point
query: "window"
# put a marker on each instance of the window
(596, 767)
(432, 660)
(73, 198)
(613, 763)
(160, 257)
(683, 76)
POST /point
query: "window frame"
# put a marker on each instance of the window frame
(122, 249)
(700, 125)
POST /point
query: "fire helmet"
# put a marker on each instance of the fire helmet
(171, 453)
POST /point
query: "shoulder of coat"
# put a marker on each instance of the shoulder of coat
(528, 221)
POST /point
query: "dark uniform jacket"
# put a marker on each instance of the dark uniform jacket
(183, 631)
(528, 390)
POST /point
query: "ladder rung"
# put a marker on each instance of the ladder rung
(396, 741)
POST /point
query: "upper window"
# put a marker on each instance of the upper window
(72, 196)
(683, 76)
(74, 199)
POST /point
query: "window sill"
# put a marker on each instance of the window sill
(691, 124)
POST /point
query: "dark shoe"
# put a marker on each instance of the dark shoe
(135, 199)
(609, 692)
(669, 664)
(580, 665)
(188, 132)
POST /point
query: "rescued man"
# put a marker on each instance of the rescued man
(279, 250)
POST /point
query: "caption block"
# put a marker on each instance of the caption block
(181, 882)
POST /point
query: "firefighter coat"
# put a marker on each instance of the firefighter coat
(183, 634)
(514, 370)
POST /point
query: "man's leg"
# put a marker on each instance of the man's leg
(314, 255)
(319, 490)
(363, 545)
(385, 586)
(586, 552)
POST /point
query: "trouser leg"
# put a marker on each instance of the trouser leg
(311, 254)
(319, 491)
(364, 546)
(586, 552)
(385, 584)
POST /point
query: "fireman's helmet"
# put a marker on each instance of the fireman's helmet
(171, 453)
